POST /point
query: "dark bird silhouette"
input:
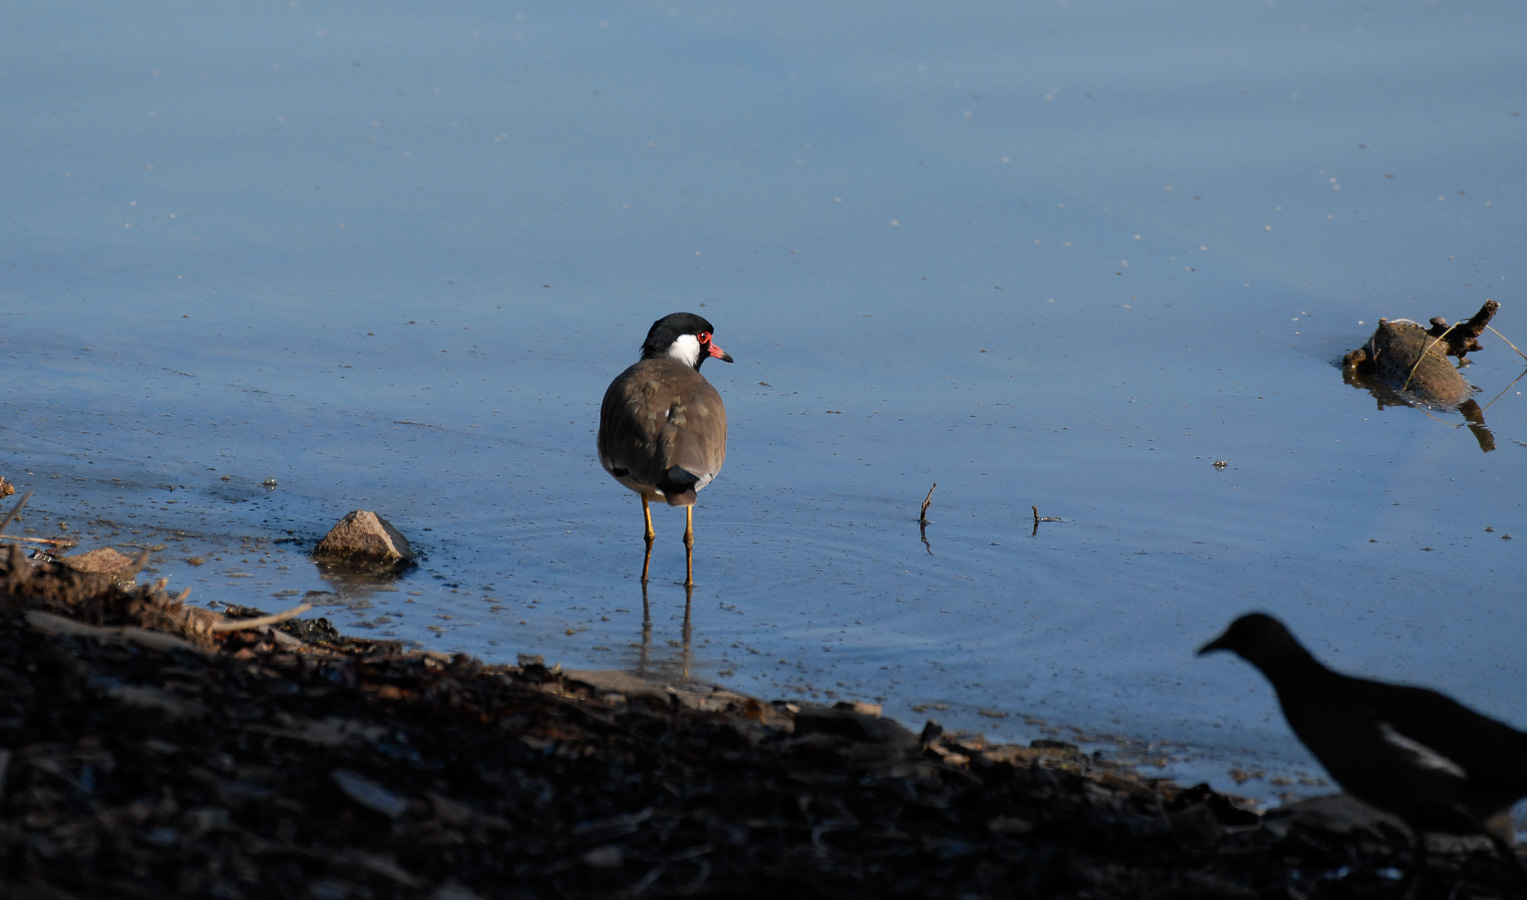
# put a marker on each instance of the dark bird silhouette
(662, 427)
(1431, 761)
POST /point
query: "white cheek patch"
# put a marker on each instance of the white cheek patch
(686, 350)
(1420, 754)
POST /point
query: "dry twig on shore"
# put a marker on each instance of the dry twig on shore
(261, 621)
(61, 543)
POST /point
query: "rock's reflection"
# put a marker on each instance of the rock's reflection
(369, 597)
(353, 586)
(1473, 414)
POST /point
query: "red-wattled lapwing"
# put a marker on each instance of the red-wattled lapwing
(1436, 764)
(662, 427)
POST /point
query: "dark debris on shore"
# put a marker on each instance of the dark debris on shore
(150, 749)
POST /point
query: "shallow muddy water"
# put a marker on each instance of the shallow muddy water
(1065, 256)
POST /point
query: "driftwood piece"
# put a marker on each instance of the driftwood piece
(1414, 360)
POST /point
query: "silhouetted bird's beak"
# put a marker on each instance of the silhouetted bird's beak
(1216, 644)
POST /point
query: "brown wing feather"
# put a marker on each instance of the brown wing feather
(660, 414)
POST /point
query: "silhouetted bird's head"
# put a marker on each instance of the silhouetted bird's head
(1259, 639)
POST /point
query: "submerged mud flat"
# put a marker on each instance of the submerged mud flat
(155, 749)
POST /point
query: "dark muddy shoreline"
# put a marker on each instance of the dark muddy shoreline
(152, 749)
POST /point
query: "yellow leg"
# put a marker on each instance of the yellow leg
(687, 632)
(647, 557)
(689, 546)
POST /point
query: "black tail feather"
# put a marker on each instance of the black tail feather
(678, 486)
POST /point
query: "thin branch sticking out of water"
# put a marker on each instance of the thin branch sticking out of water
(1038, 518)
(922, 519)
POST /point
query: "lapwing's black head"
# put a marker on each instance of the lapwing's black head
(1257, 638)
(685, 337)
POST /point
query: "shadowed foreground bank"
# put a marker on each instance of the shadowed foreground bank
(145, 753)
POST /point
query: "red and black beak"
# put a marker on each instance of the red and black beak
(718, 353)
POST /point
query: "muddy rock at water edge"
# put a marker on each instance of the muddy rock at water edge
(104, 561)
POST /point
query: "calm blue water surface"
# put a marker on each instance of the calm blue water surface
(1063, 256)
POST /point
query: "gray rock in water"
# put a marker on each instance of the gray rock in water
(366, 541)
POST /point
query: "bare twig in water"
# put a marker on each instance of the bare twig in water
(1038, 518)
(1508, 343)
(15, 511)
(922, 519)
(262, 621)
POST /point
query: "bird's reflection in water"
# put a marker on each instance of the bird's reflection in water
(664, 668)
(1473, 414)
